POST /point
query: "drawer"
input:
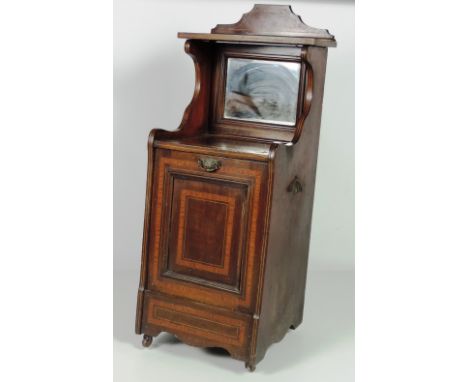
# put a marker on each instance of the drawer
(208, 215)
(195, 323)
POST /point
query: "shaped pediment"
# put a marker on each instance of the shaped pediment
(272, 20)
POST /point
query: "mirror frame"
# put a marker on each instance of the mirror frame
(269, 130)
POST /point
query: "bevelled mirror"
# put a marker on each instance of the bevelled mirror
(262, 91)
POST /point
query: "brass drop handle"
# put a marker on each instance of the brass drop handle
(209, 164)
(295, 186)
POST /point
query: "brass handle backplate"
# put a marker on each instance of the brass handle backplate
(209, 164)
(295, 186)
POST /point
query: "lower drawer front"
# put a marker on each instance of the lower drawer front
(200, 324)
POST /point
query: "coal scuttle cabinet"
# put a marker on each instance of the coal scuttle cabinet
(229, 193)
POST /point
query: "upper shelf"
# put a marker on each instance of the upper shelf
(258, 39)
(267, 24)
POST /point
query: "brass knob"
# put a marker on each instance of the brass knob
(209, 164)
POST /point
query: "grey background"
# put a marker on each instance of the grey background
(153, 83)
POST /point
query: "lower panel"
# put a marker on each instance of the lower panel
(198, 324)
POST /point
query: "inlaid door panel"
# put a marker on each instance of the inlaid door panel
(206, 235)
(206, 239)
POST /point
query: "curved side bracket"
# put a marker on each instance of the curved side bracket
(308, 96)
(194, 120)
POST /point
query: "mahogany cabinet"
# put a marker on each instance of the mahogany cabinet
(229, 193)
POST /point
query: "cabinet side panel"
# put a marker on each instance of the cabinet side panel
(290, 222)
(144, 252)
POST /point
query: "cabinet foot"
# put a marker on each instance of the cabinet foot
(147, 340)
(250, 366)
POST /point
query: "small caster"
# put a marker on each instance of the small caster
(250, 366)
(147, 340)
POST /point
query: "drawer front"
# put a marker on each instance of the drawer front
(201, 325)
(207, 221)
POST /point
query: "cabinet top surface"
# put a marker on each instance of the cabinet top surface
(219, 145)
(258, 39)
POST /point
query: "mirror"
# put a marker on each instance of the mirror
(262, 91)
